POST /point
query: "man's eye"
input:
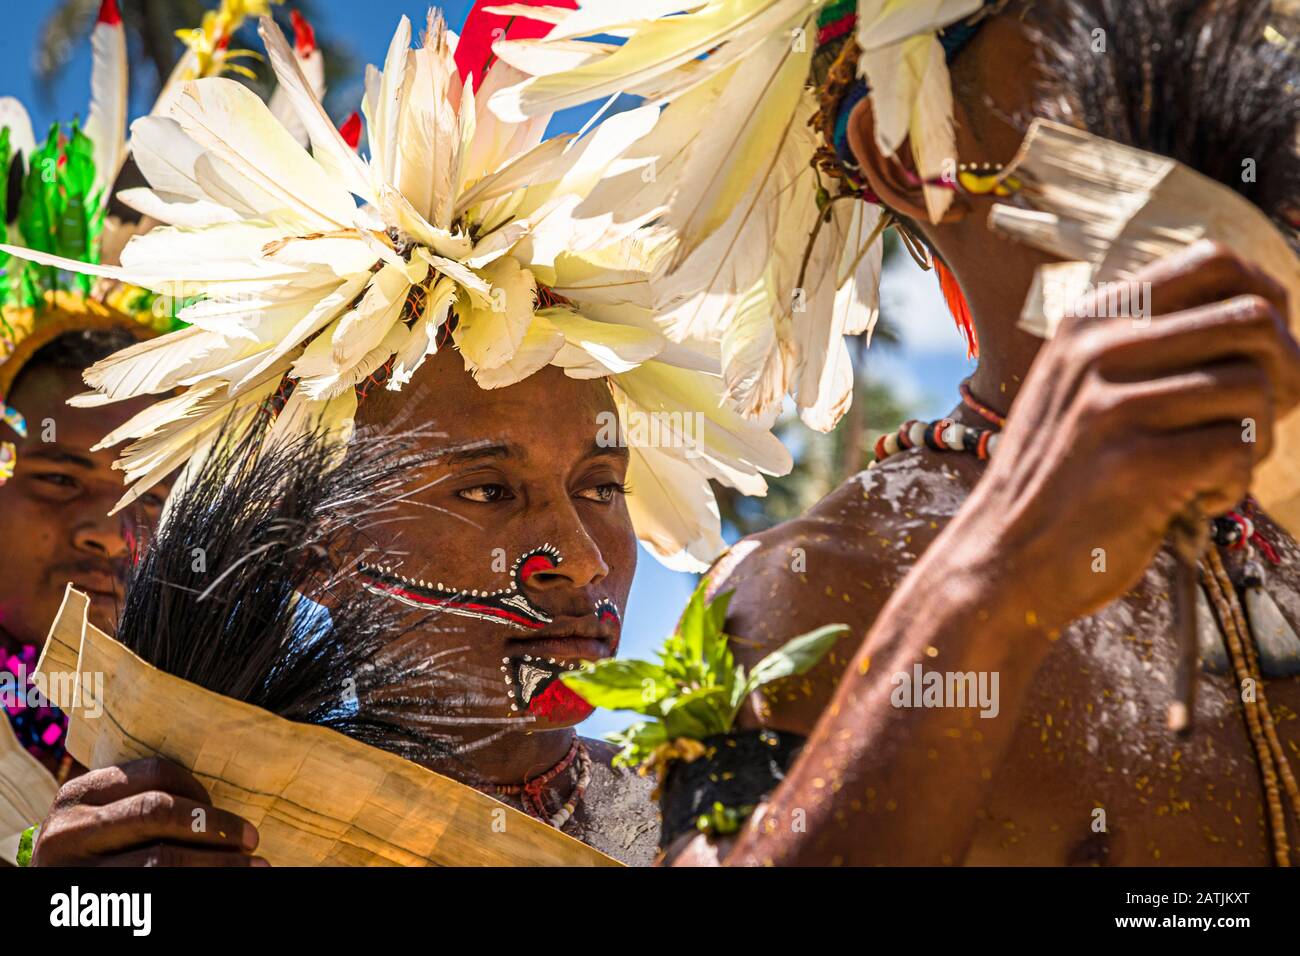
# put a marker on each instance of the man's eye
(486, 493)
(605, 492)
(55, 478)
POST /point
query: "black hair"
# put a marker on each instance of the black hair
(1211, 83)
(231, 591)
(77, 350)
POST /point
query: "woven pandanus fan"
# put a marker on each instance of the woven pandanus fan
(317, 797)
(1108, 210)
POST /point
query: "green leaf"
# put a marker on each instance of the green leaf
(25, 844)
(717, 653)
(622, 685)
(80, 215)
(78, 170)
(697, 652)
(637, 743)
(794, 657)
(37, 210)
(723, 820)
(736, 689)
(6, 156)
(698, 714)
(693, 627)
(717, 608)
(694, 692)
(57, 212)
(7, 159)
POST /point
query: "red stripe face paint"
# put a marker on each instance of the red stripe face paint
(509, 605)
(538, 562)
(532, 683)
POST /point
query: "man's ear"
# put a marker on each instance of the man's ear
(892, 178)
(326, 597)
(329, 588)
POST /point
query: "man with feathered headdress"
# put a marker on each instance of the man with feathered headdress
(456, 277)
(57, 487)
(52, 485)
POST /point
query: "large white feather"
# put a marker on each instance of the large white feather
(647, 64)
(233, 122)
(281, 105)
(13, 116)
(158, 365)
(106, 119)
(195, 214)
(328, 147)
(385, 107)
(673, 509)
(428, 129)
(751, 122)
(934, 141)
(534, 353)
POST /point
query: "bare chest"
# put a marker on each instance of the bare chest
(1093, 777)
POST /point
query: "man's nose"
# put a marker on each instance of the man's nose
(103, 540)
(581, 564)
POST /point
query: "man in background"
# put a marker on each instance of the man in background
(56, 529)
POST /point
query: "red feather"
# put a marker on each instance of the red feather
(108, 13)
(351, 130)
(304, 36)
(481, 30)
(958, 306)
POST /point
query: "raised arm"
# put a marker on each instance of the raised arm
(1119, 427)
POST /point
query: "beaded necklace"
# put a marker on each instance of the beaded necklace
(531, 792)
(944, 434)
(39, 726)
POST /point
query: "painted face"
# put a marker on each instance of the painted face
(54, 510)
(532, 682)
(517, 548)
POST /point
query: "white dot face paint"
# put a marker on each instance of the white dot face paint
(531, 681)
(509, 605)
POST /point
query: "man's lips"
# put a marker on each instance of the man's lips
(94, 580)
(575, 625)
(571, 637)
(565, 648)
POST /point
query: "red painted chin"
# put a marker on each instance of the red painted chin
(559, 705)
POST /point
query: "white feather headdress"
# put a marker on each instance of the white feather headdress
(730, 167)
(461, 215)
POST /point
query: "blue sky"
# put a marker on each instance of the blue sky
(924, 370)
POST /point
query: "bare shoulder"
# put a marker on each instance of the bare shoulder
(838, 563)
